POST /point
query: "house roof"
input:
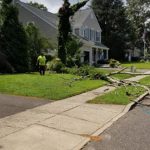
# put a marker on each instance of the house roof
(52, 19)
(83, 17)
(93, 44)
(80, 16)
(47, 17)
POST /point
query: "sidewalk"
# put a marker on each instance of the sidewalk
(61, 125)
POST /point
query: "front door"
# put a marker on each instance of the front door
(86, 57)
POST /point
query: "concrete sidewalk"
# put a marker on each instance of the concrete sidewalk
(62, 125)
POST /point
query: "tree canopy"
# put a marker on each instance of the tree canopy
(39, 6)
(138, 13)
(115, 26)
(13, 38)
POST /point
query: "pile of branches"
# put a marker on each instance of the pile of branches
(113, 81)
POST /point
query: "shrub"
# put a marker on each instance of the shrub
(114, 63)
(56, 65)
(87, 71)
(142, 61)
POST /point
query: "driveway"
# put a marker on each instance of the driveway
(10, 105)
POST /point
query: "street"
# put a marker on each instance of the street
(10, 105)
(131, 132)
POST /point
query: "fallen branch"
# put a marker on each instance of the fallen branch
(113, 82)
(131, 73)
(116, 72)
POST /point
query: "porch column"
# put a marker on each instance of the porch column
(107, 54)
(91, 57)
(96, 55)
(82, 57)
(102, 54)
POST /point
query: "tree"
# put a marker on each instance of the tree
(73, 51)
(13, 38)
(36, 44)
(64, 28)
(115, 26)
(138, 13)
(39, 6)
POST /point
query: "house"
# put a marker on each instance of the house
(84, 25)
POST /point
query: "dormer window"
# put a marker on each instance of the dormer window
(86, 33)
(82, 31)
(98, 34)
(76, 31)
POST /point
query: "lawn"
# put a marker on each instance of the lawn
(145, 81)
(50, 86)
(119, 96)
(122, 76)
(138, 65)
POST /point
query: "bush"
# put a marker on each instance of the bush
(87, 71)
(56, 65)
(114, 63)
(142, 61)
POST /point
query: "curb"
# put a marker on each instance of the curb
(109, 123)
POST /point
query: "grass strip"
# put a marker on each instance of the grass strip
(120, 96)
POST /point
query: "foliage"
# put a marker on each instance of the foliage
(36, 44)
(73, 51)
(114, 63)
(50, 86)
(145, 81)
(115, 26)
(64, 28)
(13, 40)
(39, 6)
(138, 13)
(56, 65)
(5, 66)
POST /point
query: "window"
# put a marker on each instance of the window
(90, 34)
(82, 31)
(98, 36)
(93, 35)
(86, 33)
(76, 31)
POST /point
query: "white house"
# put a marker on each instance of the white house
(84, 25)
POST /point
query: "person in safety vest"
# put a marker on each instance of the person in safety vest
(41, 61)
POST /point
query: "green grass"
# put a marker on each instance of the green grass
(119, 96)
(138, 65)
(104, 71)
(122, 76)
(145, 81)
(52, 86)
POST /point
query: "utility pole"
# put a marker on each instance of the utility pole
(144, 41)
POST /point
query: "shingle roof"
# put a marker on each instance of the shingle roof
(48, 17)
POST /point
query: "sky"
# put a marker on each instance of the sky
(52, 5)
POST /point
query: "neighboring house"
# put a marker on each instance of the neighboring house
(45, 21)
(84, 25)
